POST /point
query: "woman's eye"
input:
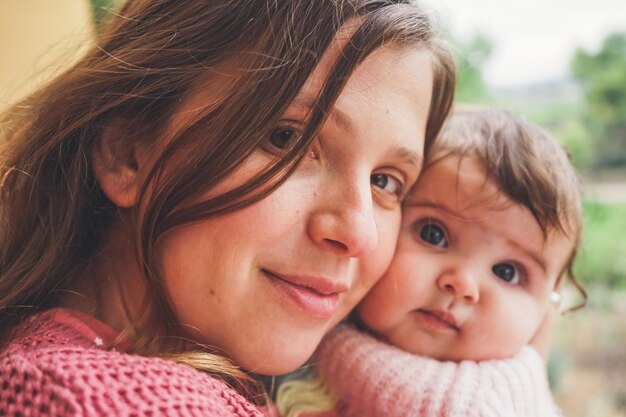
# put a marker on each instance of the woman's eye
(433, 235)
(387, 183)
(280, 140)
(507, 272)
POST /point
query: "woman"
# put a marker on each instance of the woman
(207, 185)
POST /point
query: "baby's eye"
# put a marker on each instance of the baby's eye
(507, 272)
(280, 140)
(387, 183)
(433, 234)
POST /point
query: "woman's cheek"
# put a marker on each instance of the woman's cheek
(388, 232)
(370, 269)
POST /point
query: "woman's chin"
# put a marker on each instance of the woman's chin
(277, 362)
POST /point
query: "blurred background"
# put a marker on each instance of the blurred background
(560, 63)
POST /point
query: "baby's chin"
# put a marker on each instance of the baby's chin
(463, 356)
(423, 348)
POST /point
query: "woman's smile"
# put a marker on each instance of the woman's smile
(317, 296)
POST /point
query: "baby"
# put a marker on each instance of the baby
(453, 328)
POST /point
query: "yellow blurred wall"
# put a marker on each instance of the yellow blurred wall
(37, 38)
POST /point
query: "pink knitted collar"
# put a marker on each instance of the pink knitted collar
(102, 335)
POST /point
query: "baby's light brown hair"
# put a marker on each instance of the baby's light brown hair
(525, 163)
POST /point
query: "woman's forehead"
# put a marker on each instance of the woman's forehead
(216, 83)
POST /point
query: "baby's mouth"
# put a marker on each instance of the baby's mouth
(442, 317)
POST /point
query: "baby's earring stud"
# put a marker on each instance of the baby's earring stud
(555, 298)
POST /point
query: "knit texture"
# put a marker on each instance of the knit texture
(58, 364)
(373, 378)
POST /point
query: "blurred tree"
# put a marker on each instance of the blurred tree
(101, 10)
(603, 77)
(575, 137)
(471, 57)
(601, 258)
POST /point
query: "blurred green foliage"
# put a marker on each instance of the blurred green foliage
(601, 258)
(576, 138)
(101, 11)
(470, 59)
(603, 78)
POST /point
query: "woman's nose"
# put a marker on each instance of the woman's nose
(343, 220)
(461, 284)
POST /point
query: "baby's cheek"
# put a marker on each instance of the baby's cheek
(531, 319)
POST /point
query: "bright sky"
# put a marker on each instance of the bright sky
(533, 39)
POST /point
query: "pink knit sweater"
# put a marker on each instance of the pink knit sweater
(57, 364)
(373, 378)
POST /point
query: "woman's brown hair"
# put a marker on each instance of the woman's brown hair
(153, 53)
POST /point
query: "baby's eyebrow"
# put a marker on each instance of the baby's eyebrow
(419, 204)
(439, 206)
(535, 256)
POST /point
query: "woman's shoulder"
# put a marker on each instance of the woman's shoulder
(52, 365)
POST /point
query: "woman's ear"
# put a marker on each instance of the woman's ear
(115, 164)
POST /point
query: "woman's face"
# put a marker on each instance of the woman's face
(264, 284)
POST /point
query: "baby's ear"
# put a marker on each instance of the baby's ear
(115, 164)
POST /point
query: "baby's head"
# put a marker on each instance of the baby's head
(488, 233)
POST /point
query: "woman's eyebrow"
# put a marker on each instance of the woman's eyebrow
(345, 122)
(402, 153)
(408, 156)
(306, 101)
(338, 116)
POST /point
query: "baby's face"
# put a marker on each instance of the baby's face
(472, 273)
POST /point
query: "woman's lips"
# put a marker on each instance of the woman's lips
(318, 297)
(437, 319)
